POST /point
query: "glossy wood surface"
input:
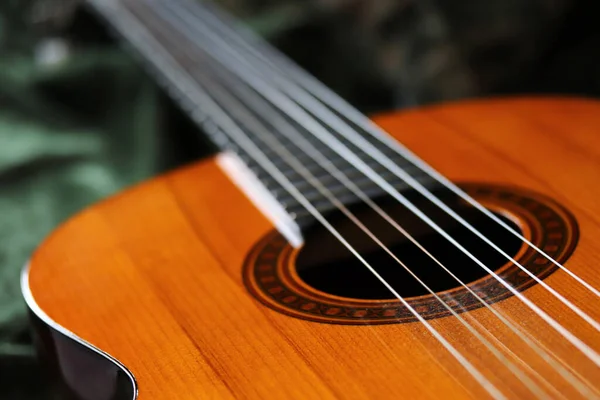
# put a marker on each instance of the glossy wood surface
(153, 275)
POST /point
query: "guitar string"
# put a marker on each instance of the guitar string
(227, 125)
(341, 127)
(587, 393)
(260, 130)
(223, 22)
(293, 110)
(252, 101)
(571, 380)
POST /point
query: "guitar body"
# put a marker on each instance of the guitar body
(154, 277)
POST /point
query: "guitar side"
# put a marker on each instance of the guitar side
(150, 282)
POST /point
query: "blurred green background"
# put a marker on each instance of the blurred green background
(80, 120)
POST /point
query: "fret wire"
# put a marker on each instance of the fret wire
(361, 182)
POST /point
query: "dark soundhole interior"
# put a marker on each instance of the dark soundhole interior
(327, 265)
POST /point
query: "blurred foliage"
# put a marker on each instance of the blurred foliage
(397, 53)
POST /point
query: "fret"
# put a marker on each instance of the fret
(346, 196)
(338, 188)
(324, 177)
(345, 167)
(328, 153)
(200, 66)
(330, 182)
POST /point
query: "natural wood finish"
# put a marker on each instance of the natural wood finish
(152, 276)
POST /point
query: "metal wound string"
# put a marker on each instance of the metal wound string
(229, 126)
(293, 110)
(327, 98)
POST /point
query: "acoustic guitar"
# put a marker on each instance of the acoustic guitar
(445, 252)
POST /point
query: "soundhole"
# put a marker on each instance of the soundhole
(324, 281)
(326, 264)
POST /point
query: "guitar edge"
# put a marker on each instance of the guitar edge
(82, 370)
(152, 276)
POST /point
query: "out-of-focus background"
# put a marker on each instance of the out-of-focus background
(80, 120)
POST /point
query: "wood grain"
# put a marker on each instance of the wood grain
(153, 275)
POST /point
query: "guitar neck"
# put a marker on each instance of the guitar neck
(233, 90)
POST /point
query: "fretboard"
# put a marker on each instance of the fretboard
(171, 38)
